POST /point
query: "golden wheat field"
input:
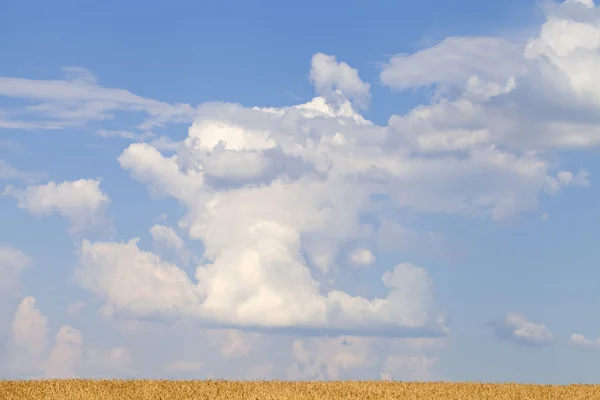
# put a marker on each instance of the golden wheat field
(219, 389)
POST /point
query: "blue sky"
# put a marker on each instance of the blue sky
(300, 191)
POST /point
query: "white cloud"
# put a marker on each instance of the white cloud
(66, 354)
(517, 328)
(82, 202)
(166, 236)
(78, 99)
(362, 257)
(29, 351)
(453, 61)
(124, 134)
(578, 340)
(12, 262)
(534, 95)
(566, 178)
(270, 291)
(29, 337)
(329, 76)
(29, 327)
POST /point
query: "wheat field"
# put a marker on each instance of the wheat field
(73, 389)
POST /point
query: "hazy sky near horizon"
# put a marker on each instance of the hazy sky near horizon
(314, 190)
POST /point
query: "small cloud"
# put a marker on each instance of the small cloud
(166, 236)
(362, 257)
(515, 327)
(82, 202)
(581, 341)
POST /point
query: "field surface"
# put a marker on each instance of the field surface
(215, 390)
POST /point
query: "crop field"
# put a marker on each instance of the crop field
(219, 389)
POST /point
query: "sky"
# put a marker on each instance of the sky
(312, 190)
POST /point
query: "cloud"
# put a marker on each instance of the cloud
(29, 337)
(586, 3)
(531, 95)
(362, 257)
(271, 291)
(29, 350)
(515, 327)
(12, 262)
(453, 61)
(81, 202)
(408, 367)
(347, 357)
(78, 99)
(566, 178)
(328, 358)
(65, 355)
(104, 133)
(166, 236)
(578, 340)
(330, 76)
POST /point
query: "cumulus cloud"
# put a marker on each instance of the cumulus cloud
(166, 236)
(274, 194)
(65, 355)
(332, 78)
(362, 257)
(578, 340)
(30, 353)
(537, 94)
(12, 262)
(515, 327)
(81, 202)
(252, 290)
(29, 337)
